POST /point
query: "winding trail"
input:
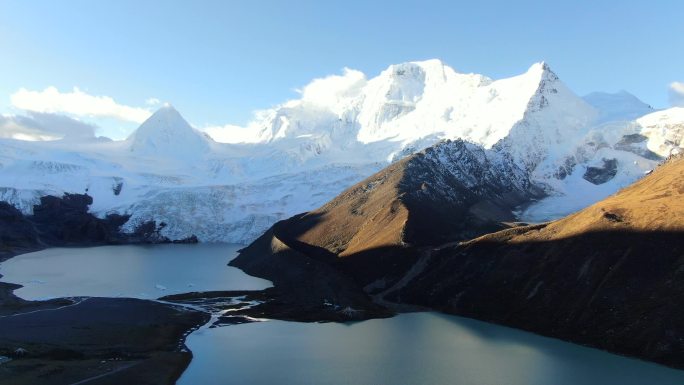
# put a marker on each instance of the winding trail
(119, 369)
(81, 300)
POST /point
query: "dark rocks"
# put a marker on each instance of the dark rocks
(601, 175)
(566, 168)
(118, 186)
(635, 143)
(66, 221)
(612, 217)
(15, 230)
(189, 240)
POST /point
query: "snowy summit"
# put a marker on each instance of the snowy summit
(342, 129)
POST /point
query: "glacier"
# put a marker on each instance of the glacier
(342, 129)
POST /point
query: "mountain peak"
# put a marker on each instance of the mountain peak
(543, 71)
(539, 67)
(415, 69)
(166, 132)
(167, 112)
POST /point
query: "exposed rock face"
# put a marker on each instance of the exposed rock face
(15, 229)
(636, 143)
(601, 175)
(66, 221)
(608, 276)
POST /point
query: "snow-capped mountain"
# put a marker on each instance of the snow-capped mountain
(415, 103)
(343, 129)
(167, 134)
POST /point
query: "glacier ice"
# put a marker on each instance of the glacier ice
(342, 129)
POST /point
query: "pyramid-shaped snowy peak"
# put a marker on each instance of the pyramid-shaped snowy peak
(167, 133)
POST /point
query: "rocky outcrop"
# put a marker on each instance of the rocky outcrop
(15, 230)
(65, 221)
(636, 143)
(601, 175)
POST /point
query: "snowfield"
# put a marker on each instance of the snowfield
(341, 130)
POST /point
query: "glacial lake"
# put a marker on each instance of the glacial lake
(139, 271)
(409, 349)
(417, 348)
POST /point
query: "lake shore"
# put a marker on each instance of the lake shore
(101, 340)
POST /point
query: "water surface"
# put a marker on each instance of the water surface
(139, 271)
(418, 348)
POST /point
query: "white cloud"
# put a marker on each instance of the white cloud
(76, 102)
(152, 102)
(36, 126)
(328, 91)
(677, 94)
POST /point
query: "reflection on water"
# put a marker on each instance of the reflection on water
(419, 348)
(149, 271)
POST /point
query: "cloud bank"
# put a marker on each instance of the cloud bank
(39, 126)
(677, 94)
(76, 102)
(328, 91)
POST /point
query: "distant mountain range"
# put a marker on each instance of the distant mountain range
(569, 151)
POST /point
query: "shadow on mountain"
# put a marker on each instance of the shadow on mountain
(616, 290)
(307, 284)
(609, 276)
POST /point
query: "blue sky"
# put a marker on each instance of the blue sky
(217, 61)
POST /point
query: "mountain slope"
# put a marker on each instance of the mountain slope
(609, 157)
(609, 276)
(452, 191)
(617, 106)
